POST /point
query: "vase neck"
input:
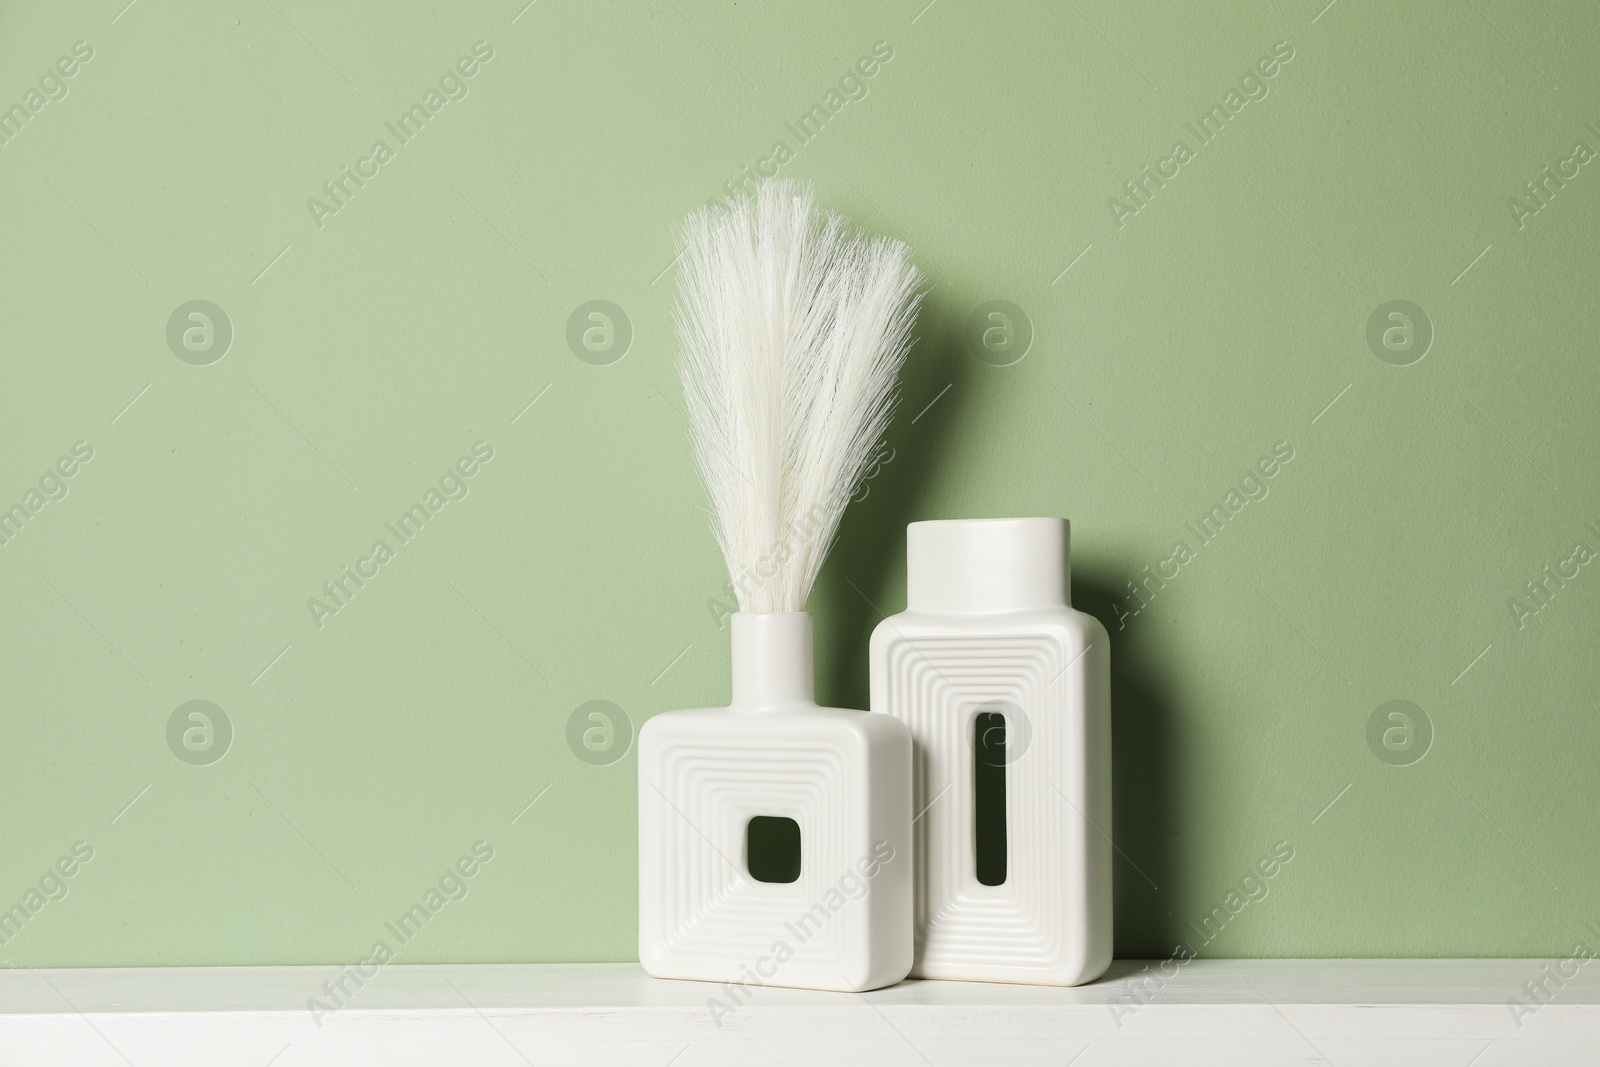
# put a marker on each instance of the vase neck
(772, 660)
(987, 565)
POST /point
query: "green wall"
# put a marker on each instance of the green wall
(1174, 341)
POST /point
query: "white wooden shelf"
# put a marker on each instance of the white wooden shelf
(1420, 1013)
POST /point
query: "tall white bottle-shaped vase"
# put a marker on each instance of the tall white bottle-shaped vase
(1006, 690)
(774, 834)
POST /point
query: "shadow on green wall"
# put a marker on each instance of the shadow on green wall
(1145, 765)
(864, 580)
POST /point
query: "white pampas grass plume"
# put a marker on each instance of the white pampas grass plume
(792, 330)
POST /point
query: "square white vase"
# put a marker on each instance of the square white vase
(844, 780)
(1006, 690)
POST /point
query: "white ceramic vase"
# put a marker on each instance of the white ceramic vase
(1006, 690)
(726, 892)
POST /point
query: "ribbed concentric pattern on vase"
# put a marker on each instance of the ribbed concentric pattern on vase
(937, 686)
(711, 909)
